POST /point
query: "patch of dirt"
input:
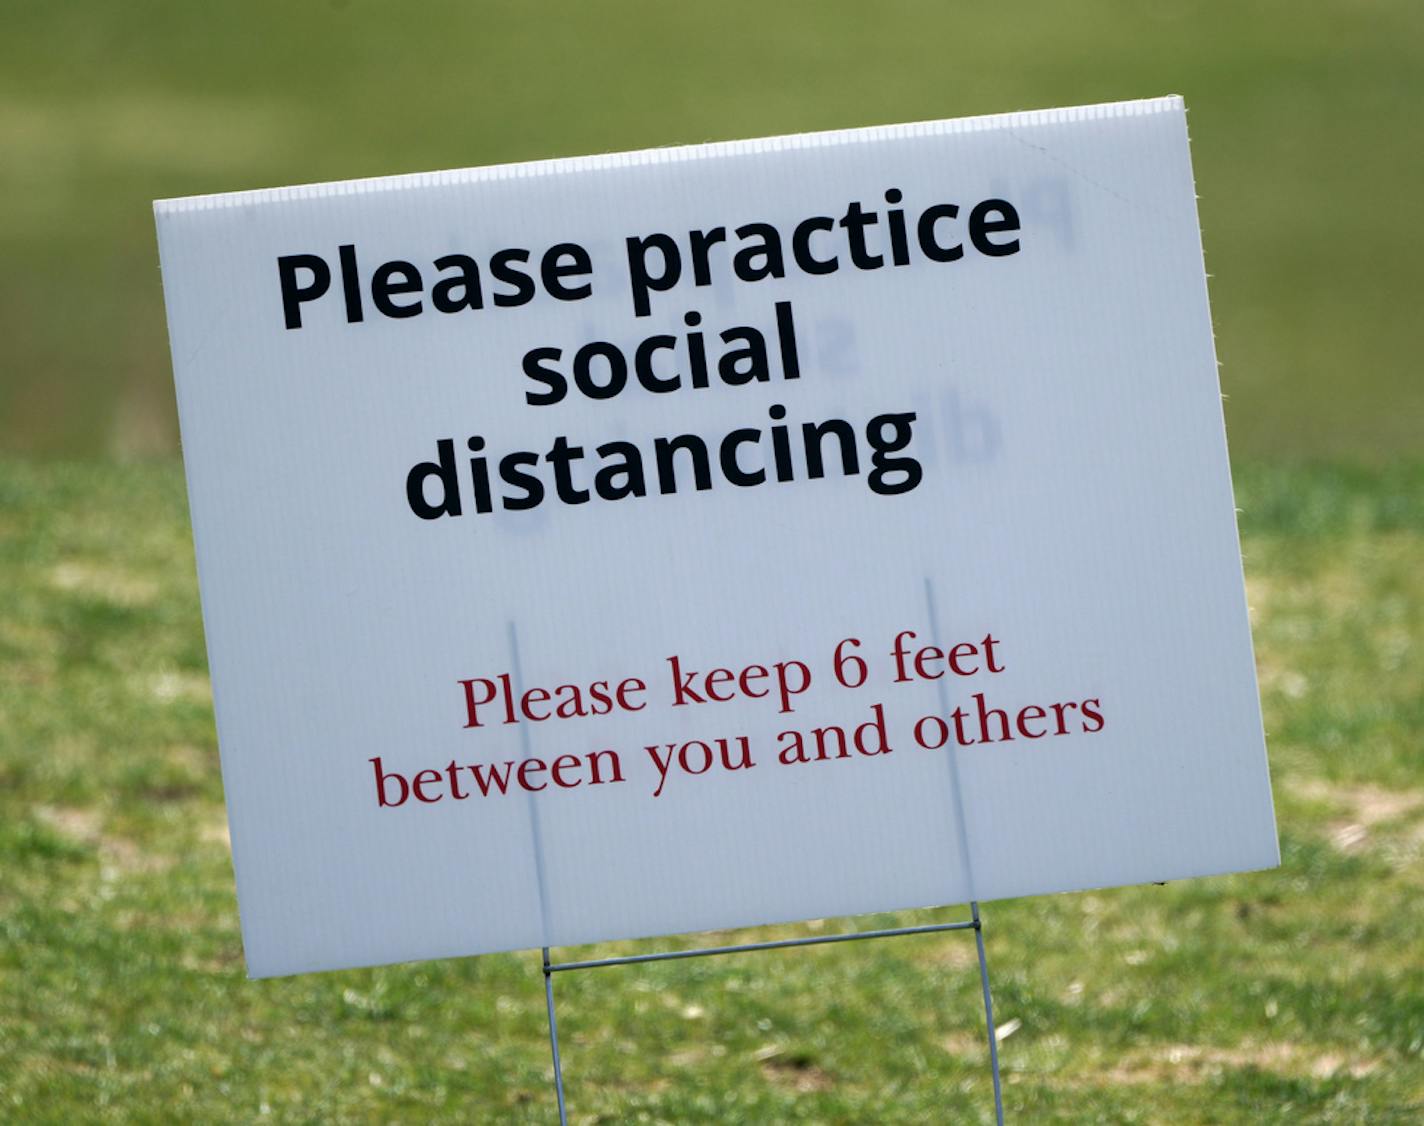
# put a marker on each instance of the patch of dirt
(1194, 1063)
(216, 832)
(110, 584)
(171, 686)
(792, 1071)
(117, 855)
(1364, 807)
(687, 1057)
(965, 1045)
(1373, 805)
(80, 825)
(956, 954)
(121, 856)
(218, 966)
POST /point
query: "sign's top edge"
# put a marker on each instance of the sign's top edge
(671, 155)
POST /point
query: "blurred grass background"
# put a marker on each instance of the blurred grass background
(1292, 996)
(1304, 119)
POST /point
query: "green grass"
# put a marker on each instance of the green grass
(1290, 996)
(1304, 120)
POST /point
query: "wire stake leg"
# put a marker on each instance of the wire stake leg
(554, 1039)
(988, 1014)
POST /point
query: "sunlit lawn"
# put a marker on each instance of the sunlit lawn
(1289, 996)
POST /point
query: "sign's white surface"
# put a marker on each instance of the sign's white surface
(492, 471)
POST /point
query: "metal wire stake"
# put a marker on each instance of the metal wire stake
(745, 947)
(975, 924)
(554, 1039)
(988, 1013)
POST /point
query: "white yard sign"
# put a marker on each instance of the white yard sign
(715, 536)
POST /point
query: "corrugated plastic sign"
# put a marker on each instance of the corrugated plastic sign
(715, 536)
